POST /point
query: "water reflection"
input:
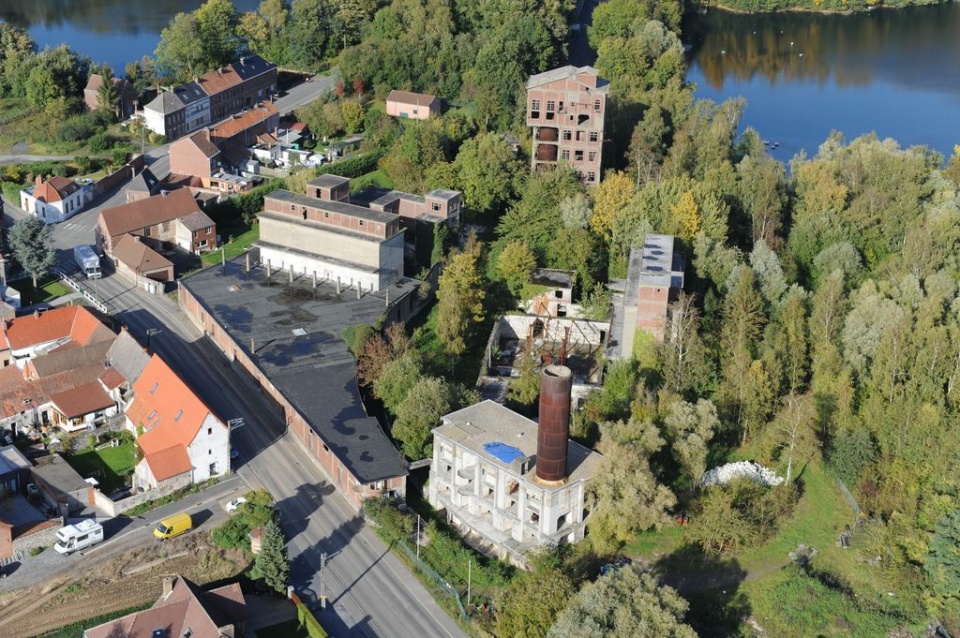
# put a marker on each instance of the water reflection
(916, 47)
(97, 16)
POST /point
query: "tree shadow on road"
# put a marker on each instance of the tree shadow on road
(711, 584)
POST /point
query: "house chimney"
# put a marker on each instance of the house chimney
(246, 267)
(168, 582)
(291, 275)
(39, 180)
(556, 383)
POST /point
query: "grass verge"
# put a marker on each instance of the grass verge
(288, 629)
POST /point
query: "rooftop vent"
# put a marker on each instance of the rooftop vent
(299, 332)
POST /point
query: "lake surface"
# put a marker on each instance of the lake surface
(896, 72)
(109, 31)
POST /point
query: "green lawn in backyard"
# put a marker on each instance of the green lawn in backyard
(243, 238)
(110, 465)
(50, 289)
(288, 629)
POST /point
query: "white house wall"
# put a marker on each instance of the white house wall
(211, 445)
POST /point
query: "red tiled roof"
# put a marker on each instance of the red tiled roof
(139, 257)
(169, 462)
(136, 216)
(81, 400)
(55, 189)
(239, 123)
(75, 322)
(407, 97)
(219, 80)
(111, 378)
(169, 410)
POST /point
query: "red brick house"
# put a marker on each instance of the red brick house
(197, 156)
(126, 93)
(165, 221)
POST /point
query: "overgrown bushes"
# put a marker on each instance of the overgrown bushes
(235, 532)
(352, 166)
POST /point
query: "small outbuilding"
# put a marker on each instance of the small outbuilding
(415, 106)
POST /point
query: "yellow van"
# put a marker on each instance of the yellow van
(173, 526)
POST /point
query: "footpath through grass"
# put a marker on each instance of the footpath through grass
(836, 594)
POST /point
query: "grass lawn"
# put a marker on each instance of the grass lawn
(839, 596)
(110, 465)
(50, 289)
(243, 238)
(375, 178)
(288, 629)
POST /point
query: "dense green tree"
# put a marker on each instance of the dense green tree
(32, 246)
(420, 146)
(628, 497)
(624, 602)
(179, 53)
(943, 563)
(487, 172)
(534, 219)
(689, 428)
(217, 22)
(397, 378)
(460, 296)
(271, 564)
(515, 265)
(420, 411)
(528, 606)
(108, 96)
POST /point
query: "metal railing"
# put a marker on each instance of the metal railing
(77, 286)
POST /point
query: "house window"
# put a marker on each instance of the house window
(592, 156)
(596, 105)
(566, 136)
(594, 136)
(578, 156)
(213, 468)
(155, 386)
(361, 222)
(551, 106)
(435, 206)
(209, 452)
(196, 234)
(177, 417)
(591, 176)
(535, 105)
(209, 431)
(152, 415)
(565, 154)
(579, 136)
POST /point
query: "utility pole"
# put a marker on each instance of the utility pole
(323, 596)
(418, 541)
(469, 580)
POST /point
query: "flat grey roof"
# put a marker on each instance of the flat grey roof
(553, 278)
(564, 72)
(58, 474)
(12, 460)
(334, 207)
(313, 369)
(442, 193)
(488, 422)
(329, 181)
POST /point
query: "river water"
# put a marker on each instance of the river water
(895, 72)
(108, 31)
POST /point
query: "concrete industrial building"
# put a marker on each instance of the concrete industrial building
(326, 234)
(565, 110)
(283, 327)
(654, 280)
(508, 482)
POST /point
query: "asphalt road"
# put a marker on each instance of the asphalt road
(369, 591)
(125, 534)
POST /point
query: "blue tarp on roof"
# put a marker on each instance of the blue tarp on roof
(502, 451)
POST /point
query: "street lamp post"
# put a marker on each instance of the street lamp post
(150, 333)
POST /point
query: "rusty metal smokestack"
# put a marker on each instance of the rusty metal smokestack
(556, 383)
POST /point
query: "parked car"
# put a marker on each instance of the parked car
(233, 505)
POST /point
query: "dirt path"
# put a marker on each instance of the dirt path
(112, 587)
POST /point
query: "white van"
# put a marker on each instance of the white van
(75, 537)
